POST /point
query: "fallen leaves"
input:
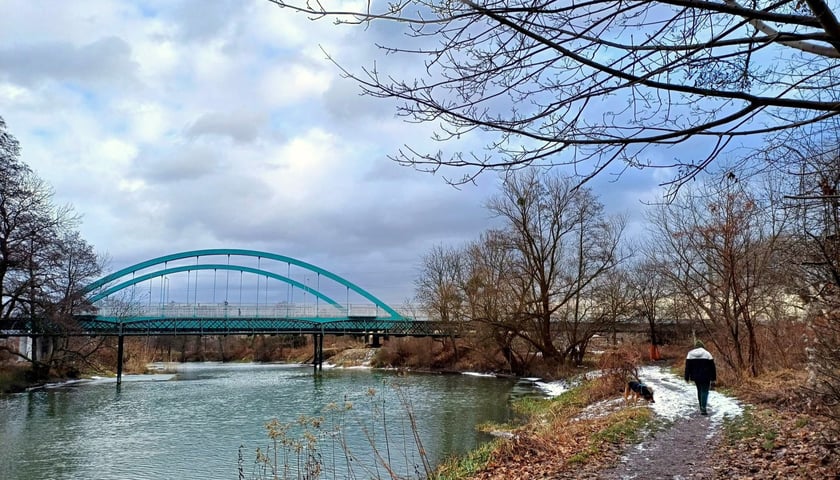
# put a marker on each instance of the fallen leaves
(568, 448)
(789, 445)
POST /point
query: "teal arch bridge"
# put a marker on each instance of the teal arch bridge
(235, 292)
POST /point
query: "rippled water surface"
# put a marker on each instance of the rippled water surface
(191, 424)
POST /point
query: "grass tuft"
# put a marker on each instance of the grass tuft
(455, 468)
(752, 425)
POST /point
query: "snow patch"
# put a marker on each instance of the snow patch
(601, 409)
(559, 387)
(553, 389)
(676, 398)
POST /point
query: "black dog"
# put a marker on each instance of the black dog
(637, 390)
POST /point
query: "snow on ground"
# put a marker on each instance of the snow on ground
(559, 387)
(478, 374)
(554, 389)
(675, 398)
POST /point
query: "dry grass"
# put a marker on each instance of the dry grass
(619, 365)
(782, 389)
(416, 353)
(558, 442)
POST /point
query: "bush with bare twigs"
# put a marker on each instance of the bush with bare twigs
(618, 366)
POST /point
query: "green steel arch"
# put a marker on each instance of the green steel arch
(211, 266)
(231, 252)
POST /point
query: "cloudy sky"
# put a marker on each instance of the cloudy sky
(182, 125)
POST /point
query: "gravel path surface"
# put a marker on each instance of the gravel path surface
(677, 452)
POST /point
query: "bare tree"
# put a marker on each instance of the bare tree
(558, 82)
(474, 289)
(562, 243)
(651, 293)
(44, 263)
(719, 245)
(439, 288)
(607, 304)
(533, 286)
(496, 294)
(812, 165)
(439, 285)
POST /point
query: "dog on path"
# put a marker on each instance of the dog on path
(636, 390)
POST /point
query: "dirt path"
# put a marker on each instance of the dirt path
(677, 451)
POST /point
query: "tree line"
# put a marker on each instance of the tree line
(744, 263)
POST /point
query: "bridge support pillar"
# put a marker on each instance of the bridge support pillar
(120, 342)
(375, 341)
(318, 354)
(34, 344)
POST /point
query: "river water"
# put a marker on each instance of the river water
(197, 422)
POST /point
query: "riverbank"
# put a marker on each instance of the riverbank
(762, 429)
(18, 377)
(14, 379)
(767, 427)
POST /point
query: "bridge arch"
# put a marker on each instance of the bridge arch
(103, 287)
(210, 266)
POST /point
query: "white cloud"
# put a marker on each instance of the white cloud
(145, 121)
(240, 126)
(157, 58)
(115, 154)
(286, 85)
(15, 94)
(105, 61)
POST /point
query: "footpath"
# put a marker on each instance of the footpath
(680, 449)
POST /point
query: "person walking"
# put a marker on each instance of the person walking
(700, 367)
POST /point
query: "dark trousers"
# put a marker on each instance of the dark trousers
(703, 394)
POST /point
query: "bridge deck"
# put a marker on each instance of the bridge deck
(94, 325)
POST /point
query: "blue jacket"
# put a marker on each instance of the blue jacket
(700, 366)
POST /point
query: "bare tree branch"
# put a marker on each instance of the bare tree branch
(594, 83)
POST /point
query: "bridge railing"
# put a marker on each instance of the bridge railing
(176, 310)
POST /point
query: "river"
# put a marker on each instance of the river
(192, 423)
